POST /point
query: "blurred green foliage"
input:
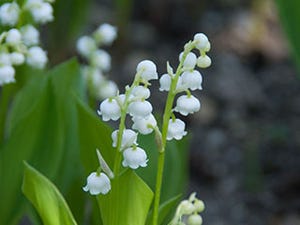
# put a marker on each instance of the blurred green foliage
(290, 17)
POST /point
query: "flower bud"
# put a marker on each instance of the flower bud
(186, 207)
(13, 37)
(194, 219)
(42, 12)
(201, 41)
(86, 45)
(30, 35)
(203, 61)
(17, 58)
(7, 74)
(105, 34)
(199, 205)
(36, 57)
(101, 59)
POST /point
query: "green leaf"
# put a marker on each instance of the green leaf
(45, 197)
(290, 17)
(128, 201)
(164, 210)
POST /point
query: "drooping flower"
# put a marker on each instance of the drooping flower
(144, 125)
(42, 12)
(147, 69)
(7, 74)
(109, 109)
(140, 92)
(17, 58)
(134, 157)
(36, 57)
(13, 37)
(107, 89)
(194, 219)
(187, 104)
(101, 59)
(97, 184)
(141, 109)
(105, 34)
(202, 42)
(176, 129)
(165, 83)
(9, 13)
(30, 35)
(129, 138)
(192, 80)
(86, 45)
(189, 62)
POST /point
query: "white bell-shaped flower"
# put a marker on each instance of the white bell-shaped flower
(5, 59)
(192, 80)
(17, 58)
(194, 219)
(36, 57)
(203, 61)
(165, 82)
(107, 89)
(189, 62)
(176, 129)
(187, 104)
(105, 34)
(9, 13)
(42, 12)
(144, 125)
(7, 74)
(13, 37)
(140, 109)
(109, 110)
(129, 138)
(101, 59)
(86, 45)
(140, 92)
(30, 35)
(134, 157)
(147, 69)
(202, 42)
(97, 184)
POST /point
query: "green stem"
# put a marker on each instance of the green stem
(166, 118)
(6, 95)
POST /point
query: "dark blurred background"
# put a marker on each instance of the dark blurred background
(245, 142)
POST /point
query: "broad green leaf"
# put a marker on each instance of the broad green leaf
(290, 17)
(46, 198)
(42, 130)
(164, 209)
(128, 201)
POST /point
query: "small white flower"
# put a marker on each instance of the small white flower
(110, 110)
(192, 80)
(5, 59)
(202, 42)
(140, 92)
(105, 34)
(107, 89)
(97, 184)
(86, 45)
(187, 104)
(93, 76)
(194, 219)
(165, 83)
(17, 58)
(30, 35)
(36, 57)
(144, 125)
(134, 157)
(101, 59)
(9, 13)
(189, 62)
(147, 69)
(141, 109)
(128, 139)
(186, 207)
(13, 37)
(42, 12)
(7, 74)
(203, 61)
(176, 129)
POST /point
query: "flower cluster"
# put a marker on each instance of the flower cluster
(188, 211)
(186, 79)
(99, 61)
(20, 40)
(133, 102)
